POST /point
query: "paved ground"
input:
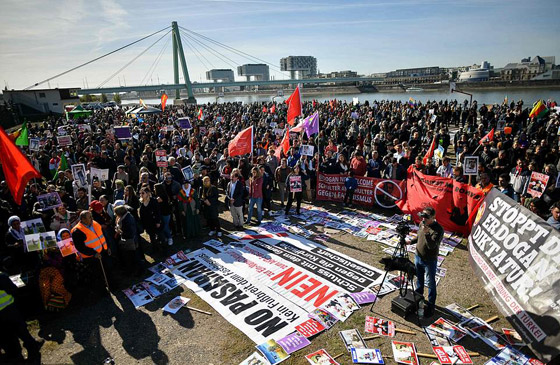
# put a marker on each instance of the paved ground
(108, 326)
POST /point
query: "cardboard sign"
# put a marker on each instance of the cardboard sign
(537, 184)
(161, 158)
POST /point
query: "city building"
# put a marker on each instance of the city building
(528, 68)
(300, 67)
(420, 75)
(477, 73)
(337, 74)
(41, 101)
(256, 72)
(223, 75)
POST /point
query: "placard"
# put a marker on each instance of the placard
(184, 123)
(295, 184)
(79, 174)
(188, 173)
(175, 304)
(161, 158)
(49, 201)
(64, 140)
(66, 247)
(122, 132)
(471, 165)
(34, 144)
(100, 174)
(307, 150)
(537, 184)
(33, 226)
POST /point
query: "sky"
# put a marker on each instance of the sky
(40, 39)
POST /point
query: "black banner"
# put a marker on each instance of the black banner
(517, 255)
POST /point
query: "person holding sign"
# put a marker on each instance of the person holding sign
(255, 195)
(295, 184)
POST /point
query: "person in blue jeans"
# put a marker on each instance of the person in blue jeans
(430, 234)
(255, 195)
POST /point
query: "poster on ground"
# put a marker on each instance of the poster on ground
(516, 255)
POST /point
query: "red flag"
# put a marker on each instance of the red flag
(273, 109)
(200, 115)
(294, 106)
(266, 146)
(242, 143)
(17, 168)
(488, 137)
(264, 109)
(284, 145)
(163, 101)
(314, 103)
(430, 152)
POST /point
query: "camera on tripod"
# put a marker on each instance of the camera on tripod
(403, 229)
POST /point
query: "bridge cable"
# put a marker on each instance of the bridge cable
(156, 62)
(231, 49)
(131, 61)
(95, 59)
(216, 53)
(197, 53)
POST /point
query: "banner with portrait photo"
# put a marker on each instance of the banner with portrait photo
(470, 167)
(100, 174)
(34, 144)
(517, 256)
(295, 184)
(307, 150)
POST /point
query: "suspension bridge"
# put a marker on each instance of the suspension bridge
(180, 36)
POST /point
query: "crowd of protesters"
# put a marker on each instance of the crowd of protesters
(142, 209)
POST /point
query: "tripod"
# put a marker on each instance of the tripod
(399, 261)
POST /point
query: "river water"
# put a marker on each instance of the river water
(482, 96)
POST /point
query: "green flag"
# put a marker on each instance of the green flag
(62, 166)
(22, 139)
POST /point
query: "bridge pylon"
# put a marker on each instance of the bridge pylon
(178, 55)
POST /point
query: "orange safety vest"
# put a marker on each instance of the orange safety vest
(94, 237)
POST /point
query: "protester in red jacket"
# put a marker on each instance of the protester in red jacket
(358, 164)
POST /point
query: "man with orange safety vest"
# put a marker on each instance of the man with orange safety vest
(88, 239)
(13, 327)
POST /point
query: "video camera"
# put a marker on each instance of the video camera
(403, 229)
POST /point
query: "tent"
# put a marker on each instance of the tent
(144, 110)
(77, 112)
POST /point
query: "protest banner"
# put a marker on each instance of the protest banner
(516, 255)
(274, 282)
(453, 201)
(122, 132)
(370, 190)
(64, 140)
(100, 174)
(161, 158)
(188, 173)
(306, 150)
(537, 184)
(49, 201)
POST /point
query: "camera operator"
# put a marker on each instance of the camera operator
(430, 234)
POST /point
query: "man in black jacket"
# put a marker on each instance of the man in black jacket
(430, 234)
(235, 197)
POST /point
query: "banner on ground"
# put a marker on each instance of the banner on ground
(517, 256)
(370, 190)
(268, 286)
(453, 201)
